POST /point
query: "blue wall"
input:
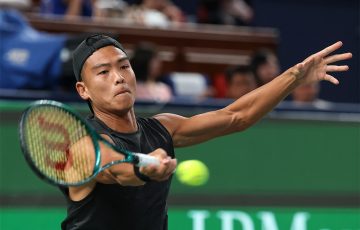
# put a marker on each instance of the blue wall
(309, 25)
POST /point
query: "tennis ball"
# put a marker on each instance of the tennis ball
(192, 173)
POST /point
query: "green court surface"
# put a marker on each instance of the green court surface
(202, 218)
(31, 218)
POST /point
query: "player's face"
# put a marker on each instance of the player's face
(108, 81)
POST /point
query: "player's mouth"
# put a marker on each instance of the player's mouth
(122, 91)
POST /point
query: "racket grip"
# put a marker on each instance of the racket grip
(145, 160)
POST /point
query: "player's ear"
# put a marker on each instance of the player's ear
(82, 90)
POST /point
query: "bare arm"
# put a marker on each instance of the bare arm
(250, 108)
(124, 173)
(121, 173)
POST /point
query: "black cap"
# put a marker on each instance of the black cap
(88, 47)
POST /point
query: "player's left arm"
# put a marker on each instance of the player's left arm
(251, 107)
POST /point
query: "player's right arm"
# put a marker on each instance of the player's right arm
(122, 174)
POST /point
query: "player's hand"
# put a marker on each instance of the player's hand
(317, 66)
(164, 170)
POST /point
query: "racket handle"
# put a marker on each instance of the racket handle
(145, 160)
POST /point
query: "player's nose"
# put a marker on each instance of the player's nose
(119, 79)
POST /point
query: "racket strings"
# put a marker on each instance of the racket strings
(59, 145)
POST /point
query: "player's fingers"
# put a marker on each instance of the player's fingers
(338, 57)
(171, 168)
(148, 170)
(164, 172)
(159, 153)
(336, 68)
(331, 79)
(330, 49)
(156, 172)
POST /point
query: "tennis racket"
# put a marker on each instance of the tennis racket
(63, 149)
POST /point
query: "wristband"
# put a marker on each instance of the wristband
(140, 175)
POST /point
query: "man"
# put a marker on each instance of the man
(126, 197)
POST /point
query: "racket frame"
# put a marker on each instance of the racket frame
(139, 159)
(23, 141)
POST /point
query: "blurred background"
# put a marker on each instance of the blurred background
(298, 168)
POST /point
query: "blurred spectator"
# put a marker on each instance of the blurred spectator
(109, 8)
(219, 84)
(189, 9)
(190, 85)
(229, 12)
(29, 59)
(155, 13)
(67, 80)
(265, 66)
(147, 67)
(240, 81)
(18, 4)
(67, 8)
(307, 96)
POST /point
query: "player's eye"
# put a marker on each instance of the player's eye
(125, 66)
(104, 72)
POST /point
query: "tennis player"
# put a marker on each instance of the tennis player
(131, 198)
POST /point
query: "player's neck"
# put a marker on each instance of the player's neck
(124, 123)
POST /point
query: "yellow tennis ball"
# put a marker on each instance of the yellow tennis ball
(192, 172)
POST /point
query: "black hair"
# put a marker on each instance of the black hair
(259, 58)
(87, 47)
(231, 71)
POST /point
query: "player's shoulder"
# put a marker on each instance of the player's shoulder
(168, 117)
(170, 121)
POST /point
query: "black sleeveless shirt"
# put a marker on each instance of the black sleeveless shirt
(112, 206)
